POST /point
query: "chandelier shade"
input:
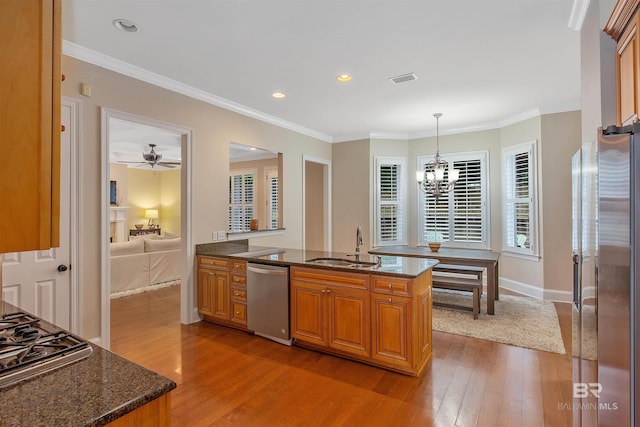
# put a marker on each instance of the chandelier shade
(432, 180)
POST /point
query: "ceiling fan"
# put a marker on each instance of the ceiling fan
(152, 158)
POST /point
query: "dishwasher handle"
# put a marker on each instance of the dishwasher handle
(278, 272)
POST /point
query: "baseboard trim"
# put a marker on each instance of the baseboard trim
(535, 292)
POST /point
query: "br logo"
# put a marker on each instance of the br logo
(582, 390)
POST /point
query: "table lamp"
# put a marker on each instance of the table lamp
(152, 215)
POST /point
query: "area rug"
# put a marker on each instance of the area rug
(121, 294)
(519, 321)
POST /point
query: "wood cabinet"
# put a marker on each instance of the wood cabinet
(622, 26)
(402, 321)
(331, 310)
(156, 413)
(222, 290)
(628, 69)
(30, 105)
(392, 329)
(239, 293)
(381, 320)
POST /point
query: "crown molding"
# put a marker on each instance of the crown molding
(622, 13)
(91, 56)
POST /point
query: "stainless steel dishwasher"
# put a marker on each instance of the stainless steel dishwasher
(268, 302)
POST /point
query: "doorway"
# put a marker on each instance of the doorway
(154, 162)
(316, 202)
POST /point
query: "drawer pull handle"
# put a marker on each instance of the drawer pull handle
(389, 300)
(389, 286)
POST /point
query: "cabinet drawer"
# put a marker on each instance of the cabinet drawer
(329, 277)
(216, 263)
(391, 285)
(239, 313)
(238, 266)
(237, 280)
(239, 294)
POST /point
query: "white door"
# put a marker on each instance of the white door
(39, 281)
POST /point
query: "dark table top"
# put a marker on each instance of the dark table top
(443, 253)
(391, 265)
(92, 391)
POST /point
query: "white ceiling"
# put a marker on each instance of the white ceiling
(481, 63)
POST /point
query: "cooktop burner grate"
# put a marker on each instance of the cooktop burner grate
(28, 348)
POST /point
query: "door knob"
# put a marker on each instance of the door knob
(62, 268)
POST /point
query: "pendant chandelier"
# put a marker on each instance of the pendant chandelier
(431, 179)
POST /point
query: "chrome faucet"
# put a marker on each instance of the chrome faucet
(358, 242)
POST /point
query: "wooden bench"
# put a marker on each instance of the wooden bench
(460, 269)
(468, 279)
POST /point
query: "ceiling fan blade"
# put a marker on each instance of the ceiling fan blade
(128, 161)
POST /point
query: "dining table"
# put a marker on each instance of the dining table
(456, 256)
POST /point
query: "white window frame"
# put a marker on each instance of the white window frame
(510, 245)
(483, 157)
(401, 202)
(244, 172)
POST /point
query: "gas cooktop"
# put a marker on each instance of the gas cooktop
(29, 348)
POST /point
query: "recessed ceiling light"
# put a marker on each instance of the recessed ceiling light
(344, 78)
(127, 26)
(278, 95)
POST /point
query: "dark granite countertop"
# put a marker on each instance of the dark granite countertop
(90, 392)
(397, 266)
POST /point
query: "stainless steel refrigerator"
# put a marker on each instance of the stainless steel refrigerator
(617, 318)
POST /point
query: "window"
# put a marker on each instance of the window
(390, 196)
(519, 201)
(461, 217)
(241, 199)
(272, 197)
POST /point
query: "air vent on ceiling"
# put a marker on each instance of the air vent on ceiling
(404, 78)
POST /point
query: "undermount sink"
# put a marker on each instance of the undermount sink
(338, 262)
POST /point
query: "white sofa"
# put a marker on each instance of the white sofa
(138, 264)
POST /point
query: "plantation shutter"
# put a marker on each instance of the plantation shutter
(273, 202)
(436, 218)
(460, 217)
(241, 201)
(390, 192)
(518, 199)
(467, 209)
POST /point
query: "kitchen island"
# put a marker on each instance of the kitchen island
(101, 389)
(376, 310)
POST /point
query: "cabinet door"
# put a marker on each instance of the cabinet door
(30, 53)
(308, 313)
(349, 326)
(222, 302)
(392, 330)
(627, 61)
(424, 324)
(205, 292)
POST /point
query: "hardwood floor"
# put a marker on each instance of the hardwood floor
(227, 377)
